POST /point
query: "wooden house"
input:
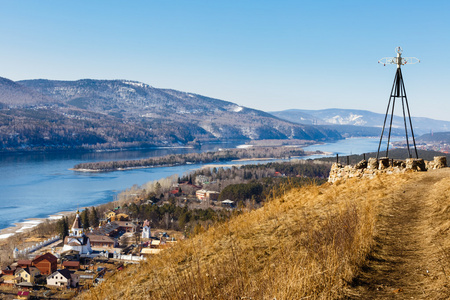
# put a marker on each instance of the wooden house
(71, 265)
(102, 241)
(47, 263)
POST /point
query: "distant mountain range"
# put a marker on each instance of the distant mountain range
(358, 122)
(435, 137)
(109, 114)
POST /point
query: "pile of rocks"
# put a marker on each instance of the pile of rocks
(439, 162)
(374, 166)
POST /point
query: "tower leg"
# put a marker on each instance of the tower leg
(398, 91)
(409, 116)
(385, 116)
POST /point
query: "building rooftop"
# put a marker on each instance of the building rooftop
(48, 256)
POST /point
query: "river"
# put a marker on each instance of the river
(39, 185)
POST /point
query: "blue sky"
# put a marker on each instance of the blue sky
(268, 55)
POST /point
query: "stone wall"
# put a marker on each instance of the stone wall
(372, 167)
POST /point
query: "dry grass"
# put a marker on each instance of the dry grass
(411, 257)
(438, 241)
(307, 244)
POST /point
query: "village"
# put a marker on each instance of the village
(85, 257)
(439, 146)
(435, 146)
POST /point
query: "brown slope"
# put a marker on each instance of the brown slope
(410, 260)
(312, 243)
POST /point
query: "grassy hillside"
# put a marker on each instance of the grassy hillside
(317, 242)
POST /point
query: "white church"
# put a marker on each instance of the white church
(77, 240)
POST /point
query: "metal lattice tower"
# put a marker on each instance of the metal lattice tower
(398, 92)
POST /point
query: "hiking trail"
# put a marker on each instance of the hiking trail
(406, 260)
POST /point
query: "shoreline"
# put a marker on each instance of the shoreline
(30, 223)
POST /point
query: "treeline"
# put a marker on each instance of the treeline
(172, 216)
(254, 192)
(205, 157)
(243, 191)
(217, 178)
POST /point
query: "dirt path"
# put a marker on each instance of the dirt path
(403, 264)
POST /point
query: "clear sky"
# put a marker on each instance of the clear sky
(268, 55)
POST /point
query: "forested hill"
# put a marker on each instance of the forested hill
(110, 114)
(436, 137)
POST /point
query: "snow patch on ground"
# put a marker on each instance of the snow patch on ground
(351, 119)
(244, 146)
(135, 83)
(6, 235)
(234, 108)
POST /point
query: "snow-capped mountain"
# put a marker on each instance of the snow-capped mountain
(355, 117)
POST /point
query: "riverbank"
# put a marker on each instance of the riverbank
(29, 224)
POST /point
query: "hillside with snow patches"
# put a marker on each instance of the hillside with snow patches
(109, 114)
(353, 117)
